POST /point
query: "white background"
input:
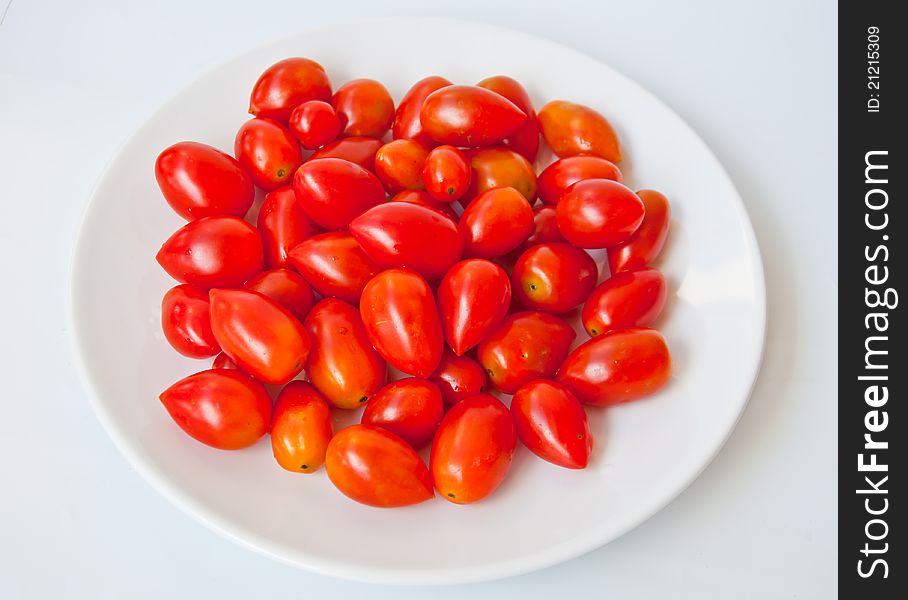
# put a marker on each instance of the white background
(756, 80)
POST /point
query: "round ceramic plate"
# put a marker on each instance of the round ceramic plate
(645, 452)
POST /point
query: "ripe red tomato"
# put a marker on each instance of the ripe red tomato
(626, 299)
(334, 265)
(377, 468)
(402, 321)
(262, 337)
(571, 129)
(645, 244)
(314, 124)
(525, 140)
(473, 449)
(268, 152)
(399, 165)
(554, 277)
(422, 198)
(364, 107)
(412, 408)
(360, 150)
(473, 298)
(406, 120)
(334, 191)
(287, 84)
(222, 408)
(283, 224)
(285, 287)
(556, 178)
(617, 367)
(545, 230)
(342, 364)
(551, 422)
(466, 115)
(301, 428)
(598, 213)
(446, 173)
(458, 377)
(500, 167)
(212, 252)
(186, 324)
(526, 346)
(222, 361)
(496, 222)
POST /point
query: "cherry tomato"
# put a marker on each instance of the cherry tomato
(406, 120)
(342, 364)
(525, 140)
(268, 152)
(402, 321)
(403, 234)
(626, 299)
(375, 467)
(571, 129)
(473, 449)
(283, 224)
(554, 277)
(360, 150)
(285, 287)
(465, 115)
(598, 213)
(500, 167)
(222, 361)
(334, 265)
(422, 198)
(412, 408)
(200, 181)
(446, 173)
(617, 367)
(556, 178)
(645, 244)
(545, 229)
(301, 428)
(186, 324)
(364, 107)
(526, 346)
(473, 298)
(287, 84)
(334, 191)
(551, 422)
(212, 251)
(221, 408)
(262, 337)
(458, 377)
(314, 124)
(399, 165)
(496, 222)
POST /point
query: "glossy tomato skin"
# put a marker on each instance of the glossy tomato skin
(500, 167)
(473, 449)
(222, 361)
(624, 300)
(598, 213)
(301, 428)
(222, 408)
(422, 198)
(412, 408)
(314, 123)
(359, 150)
(287, 84)
(458, 377)
(473, 298)
(496, 222)
(554, 277)
(375, 467)
(469, 116)
(186, 322)
(403, 234)
(333, 191)
(406, 123)
(571, 129)
(526, 346)
(364, 107)
(525, 140)
(334, 265)
(213, 251)
(285, 287)
(268, 152)
(617, 367)
(402, 321)
(446, 173)
(545, 230)
(645, 244)
(399, 165)
(262, 337)
(283, 224)
(342, 364)
(551, 422)
(556, 178)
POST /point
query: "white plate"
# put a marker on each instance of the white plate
(645, 453)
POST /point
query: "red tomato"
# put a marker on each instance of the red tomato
(359, 150)
(617, 367)
(627, 299)
(364, 107)
(314, 124)
(473, 298)
(446, 173)
(496, 222)
(406, 120)
(301, 428)
(551, 422)
(186, 324)
(334, 191)
(598, 213)
(411, 408)
(646, 243)
(212, 252)
(500, 167)
(554, 277)
(222, 408)
(262, 337)
(422, 198)
(525, 140)
(222, 361)
(287, 84)
(473, 449)
(571, 129)
(268, 152)
(377, 468)
(556, 178)
(200, 181)
(283, 224)
(466, 115)
(399, 165)
(526, 346)
(334, 265)
(342, 364)
(458, 377)
(403, 234)
(285, 287)
(545, 224)
(402, 321)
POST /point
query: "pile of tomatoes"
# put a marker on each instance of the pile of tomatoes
(428, 253)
